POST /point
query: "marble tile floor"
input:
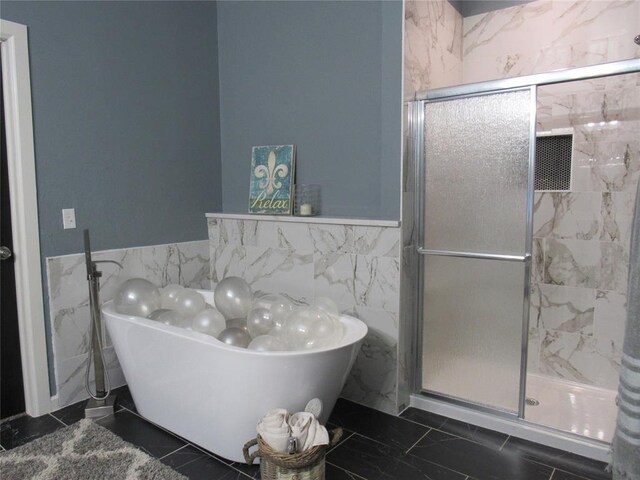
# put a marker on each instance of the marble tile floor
(415, 445)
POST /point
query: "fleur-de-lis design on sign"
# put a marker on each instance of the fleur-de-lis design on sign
(271, 171)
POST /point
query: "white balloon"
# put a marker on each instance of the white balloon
(209, 321)
(136, 296)
(326, 331)
(171, 317)
(232, 297)
(267, 343)
(259, 322)
(235, 337)
(189, 303)
(308, 328)
(278, 308)
(325, 304)
(169, 294)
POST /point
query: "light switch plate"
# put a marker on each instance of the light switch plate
(69, 218)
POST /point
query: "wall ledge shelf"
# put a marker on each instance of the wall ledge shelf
(368, 222)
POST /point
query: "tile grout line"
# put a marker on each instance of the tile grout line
(171, 453)
(504, 443)
(404, 453)
(51, 415)
(345, 470)
(418, 441)
(439, 429)
(339, 443)
(415, 422)
(186, 442)
(226, 462)
(239, 471)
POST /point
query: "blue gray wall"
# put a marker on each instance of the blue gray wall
(126, 119)
(325, 76)
(129, 116)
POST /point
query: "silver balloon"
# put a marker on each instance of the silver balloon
(232, 297)
(156, 313)
(240, 323)
(235, 337)
(189, 303)
(267, 343)
(136, 296)
(169, 294)
(209, 321)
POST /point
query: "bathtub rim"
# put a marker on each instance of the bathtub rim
(355, 331)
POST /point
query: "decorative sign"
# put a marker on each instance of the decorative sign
(272, 174)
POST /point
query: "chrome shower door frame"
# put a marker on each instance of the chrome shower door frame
(417, 118)
(416, 113)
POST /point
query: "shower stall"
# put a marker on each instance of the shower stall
(524, 201)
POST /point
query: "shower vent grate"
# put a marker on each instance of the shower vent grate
(553, 162)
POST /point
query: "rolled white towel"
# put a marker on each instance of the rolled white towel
(274, 429)
(307, 431)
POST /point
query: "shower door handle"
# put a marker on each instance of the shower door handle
(482, 256)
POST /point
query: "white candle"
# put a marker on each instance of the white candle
(305, 209)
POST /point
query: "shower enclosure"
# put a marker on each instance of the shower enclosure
(508, 271)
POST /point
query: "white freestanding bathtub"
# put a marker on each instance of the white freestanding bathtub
(213, 394)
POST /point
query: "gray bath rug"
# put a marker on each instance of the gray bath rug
(83, 450)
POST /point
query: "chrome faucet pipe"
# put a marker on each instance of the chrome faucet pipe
(93, 277)
(101, 403)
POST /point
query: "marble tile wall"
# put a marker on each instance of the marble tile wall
(547, 35)
(357, 266)
(184, 263)
(432, 45)
(582, 236)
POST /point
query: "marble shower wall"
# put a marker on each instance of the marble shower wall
(184, 263)
(581, 237)
(546, 35)
(357, 266)
(432, 45)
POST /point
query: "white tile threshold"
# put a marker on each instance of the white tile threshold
(367, 222)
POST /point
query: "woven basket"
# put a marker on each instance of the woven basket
(275, 465)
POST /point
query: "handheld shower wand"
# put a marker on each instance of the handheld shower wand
(101, 403)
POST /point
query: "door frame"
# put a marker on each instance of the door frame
(24, 216)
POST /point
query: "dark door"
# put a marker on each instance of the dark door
(11, 386)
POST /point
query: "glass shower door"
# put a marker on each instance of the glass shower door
(476, 220)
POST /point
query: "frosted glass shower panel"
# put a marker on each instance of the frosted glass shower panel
(476, 173)
(473, 329)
